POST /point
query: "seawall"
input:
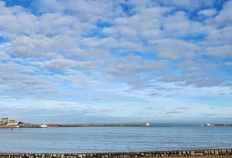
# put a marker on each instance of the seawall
(221, 153)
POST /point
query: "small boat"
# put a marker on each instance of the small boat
(147, 124)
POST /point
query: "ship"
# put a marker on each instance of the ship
(207, 124)
(44, 125)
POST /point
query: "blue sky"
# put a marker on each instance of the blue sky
(83, 61)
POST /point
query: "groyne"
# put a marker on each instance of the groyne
(221, 153)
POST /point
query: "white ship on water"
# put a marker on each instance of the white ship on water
(44, 125)
(207, 124)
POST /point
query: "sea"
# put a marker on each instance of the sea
(114, 139)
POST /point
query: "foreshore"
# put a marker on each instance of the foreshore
(202, 153)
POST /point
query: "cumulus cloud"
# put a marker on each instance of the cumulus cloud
(58, 64)
(223, 15)
(150, 29)
(220, 51)
(173, 49)
(207, 12)
(16, 20)
(114, 47)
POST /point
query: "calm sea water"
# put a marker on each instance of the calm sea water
(113, 139)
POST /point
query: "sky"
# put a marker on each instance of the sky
(96, 61)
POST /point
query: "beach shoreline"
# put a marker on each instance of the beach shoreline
(201, 153)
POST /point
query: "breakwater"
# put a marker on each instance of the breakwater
(99, 125)
(207, 124)
(185, 153)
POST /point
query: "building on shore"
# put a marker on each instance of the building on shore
(4, 121)
(12, 123)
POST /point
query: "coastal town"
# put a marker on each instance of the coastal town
(11, 123)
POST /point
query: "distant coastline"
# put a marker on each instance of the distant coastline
(6, 123)
(212, 125)
(76, 125)
(99, 125)
(10, 123)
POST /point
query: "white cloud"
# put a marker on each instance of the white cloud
(224, 15)
(4, 56)
(95, 49)
(174, 49)
(16, 20)
(59, 64)
(38, 45)
(179, 25)
(207, 12)
(220, 51)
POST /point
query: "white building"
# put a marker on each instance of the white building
(12, 123)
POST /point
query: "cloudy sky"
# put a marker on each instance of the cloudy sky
(116, 61)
